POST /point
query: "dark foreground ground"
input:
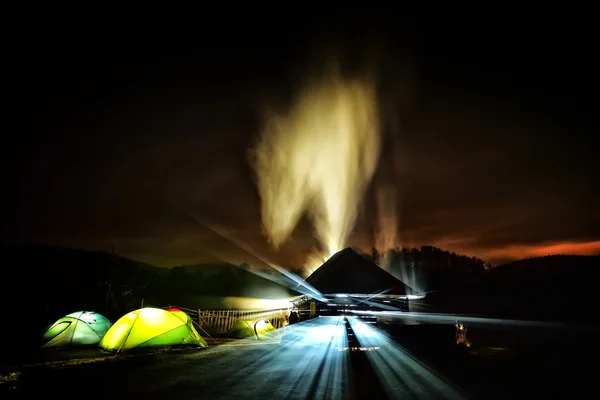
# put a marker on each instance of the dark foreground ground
(419, 363)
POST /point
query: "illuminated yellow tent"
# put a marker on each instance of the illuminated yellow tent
(259, 329)
(181, 315)
(150, 327)
(188, 320)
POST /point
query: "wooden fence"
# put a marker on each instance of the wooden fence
(223, 321)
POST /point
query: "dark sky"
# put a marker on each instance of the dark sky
(137, 135)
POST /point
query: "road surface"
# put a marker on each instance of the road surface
(315, 361)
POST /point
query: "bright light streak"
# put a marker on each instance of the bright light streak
(313, 262)
(398, 370)
(471, 320)
(305, 365)
(379, 305)
(358, 348)
(242, 245)
(334, 332)
(317, 160)
(302, 287)
(341, 295)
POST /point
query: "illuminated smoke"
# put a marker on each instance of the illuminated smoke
(317, 160)
(387, 237)
(387, 229)
(313, 262)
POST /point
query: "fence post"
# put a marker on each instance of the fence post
(221, 320)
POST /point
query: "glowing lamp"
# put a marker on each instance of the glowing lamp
(260, 324)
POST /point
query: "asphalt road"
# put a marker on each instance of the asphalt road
(313, 362)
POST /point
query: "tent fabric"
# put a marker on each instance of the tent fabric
(348, 272)
(188, 320)
(259, 329)
(81, 328)
(150, 327)
(180, 314)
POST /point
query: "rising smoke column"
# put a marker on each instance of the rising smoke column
(386, 232)
(317, 160)
(387, 237)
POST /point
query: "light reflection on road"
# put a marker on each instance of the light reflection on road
(307, 364)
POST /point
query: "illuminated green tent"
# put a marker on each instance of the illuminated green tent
(188, 320)
(150, 327)
(181, 315)
(259, 329)
(82, 328)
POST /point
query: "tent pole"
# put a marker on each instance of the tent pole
(207, 334)
(75, 327)
(128, 333)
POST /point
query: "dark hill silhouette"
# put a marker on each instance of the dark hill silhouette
(557, 274)
(429, 269)
(46, 283)
(46, 278)
(224, 279)
(348, 272)
(550, 265)
(557, 287)
(49, 279)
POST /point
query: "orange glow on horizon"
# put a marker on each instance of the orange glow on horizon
(515, 252)
(520, 251)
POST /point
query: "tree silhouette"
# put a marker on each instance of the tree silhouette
(429, 265)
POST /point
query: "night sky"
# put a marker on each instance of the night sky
(137, 136)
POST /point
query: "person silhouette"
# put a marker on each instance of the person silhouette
(294, 317)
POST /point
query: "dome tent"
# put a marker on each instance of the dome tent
(81, 328)
(180, 314)
(150, 327)
(188, 320)
(259, 329)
